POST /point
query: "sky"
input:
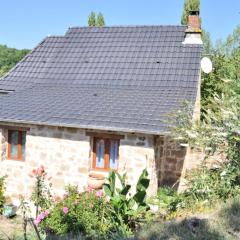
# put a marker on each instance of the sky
(24, 23)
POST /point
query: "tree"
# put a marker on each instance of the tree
(100, 20)
(9, 57)
(207, 43)
(189, 5)
(92, 19)
(96, 20)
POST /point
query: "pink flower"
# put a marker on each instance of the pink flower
(99, 193)
(36, 221)
(65, 210)
(46, 213)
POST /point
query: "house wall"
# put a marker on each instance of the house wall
(66, 153)
(173, 161)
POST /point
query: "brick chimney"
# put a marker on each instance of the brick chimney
(193, 32)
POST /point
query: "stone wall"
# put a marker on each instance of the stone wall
(63, 151)
(66, 153)
(173, 161)
(136, 153)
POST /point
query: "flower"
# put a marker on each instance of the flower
(46, 213)
(41, 216)
(56, 199)
(99, 193)
(36, 221)
(65, 210)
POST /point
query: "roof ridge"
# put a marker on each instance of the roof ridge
(127, 26)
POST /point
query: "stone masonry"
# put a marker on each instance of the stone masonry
(66, 153)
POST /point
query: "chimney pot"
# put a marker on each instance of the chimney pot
(194, 21)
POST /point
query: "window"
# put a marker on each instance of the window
(16, 144)
(105, 153)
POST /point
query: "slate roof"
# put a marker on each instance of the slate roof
(126, 78)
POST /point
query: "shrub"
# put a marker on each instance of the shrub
(86, 213)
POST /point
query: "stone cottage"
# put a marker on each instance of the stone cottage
(96, 100)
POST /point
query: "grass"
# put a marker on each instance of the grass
(221, 223)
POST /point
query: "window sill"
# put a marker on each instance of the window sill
(103, 172)
(14, 160)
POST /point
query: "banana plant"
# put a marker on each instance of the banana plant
(127, 209)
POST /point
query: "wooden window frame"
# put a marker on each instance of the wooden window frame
(106, 153)
(19, 145)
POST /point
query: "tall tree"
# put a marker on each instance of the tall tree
(189, 5)
(100, 20)
(96, 20)
(92, 19)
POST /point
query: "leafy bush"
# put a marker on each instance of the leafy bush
(2, 190)
(209, 184)
(127, 210)
(169, 199)
(86, 213)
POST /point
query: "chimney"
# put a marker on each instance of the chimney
(193, 32)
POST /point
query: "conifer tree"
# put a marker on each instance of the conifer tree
(95, 20)
(100, 20)
(189, 5)
(92, 19)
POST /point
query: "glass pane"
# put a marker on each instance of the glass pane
(23, 143)
(100, 151)
(14, 143)
(113, 154)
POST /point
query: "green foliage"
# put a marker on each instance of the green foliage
(226, 73)
(210, 184)
(189, 5)
(207, 43)
(86, 213)
(168, 198)
(92, 19)
(218, 133)
(2, 191)
(9, 57)
(100, 20)
(96, 20)
(127, 209)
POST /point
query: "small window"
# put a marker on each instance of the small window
(105, 153)
(16, 144)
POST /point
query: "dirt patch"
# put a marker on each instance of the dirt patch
(12, 228)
